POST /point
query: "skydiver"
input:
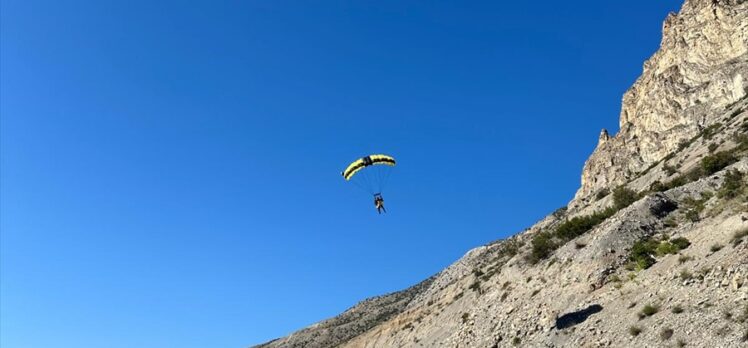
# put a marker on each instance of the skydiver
(379, 203)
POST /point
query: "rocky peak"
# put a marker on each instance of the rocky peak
(701, 66)
(604, 137)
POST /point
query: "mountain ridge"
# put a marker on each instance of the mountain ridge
(651, 251)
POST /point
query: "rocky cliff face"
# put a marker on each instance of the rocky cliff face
(660, 262)
(700, 68)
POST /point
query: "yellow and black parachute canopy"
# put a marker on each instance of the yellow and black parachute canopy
(366, 161)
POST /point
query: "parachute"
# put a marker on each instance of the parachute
(370, 173)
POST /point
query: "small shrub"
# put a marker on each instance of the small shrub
(712, 147)
(579, 225)
(732, 184)
(623, 197)
(650, 310)
(683, 144)
(670, 170)
(510, 248)
(715, 248)
(666, 333)
(692, 215)
(475, 286)
(665, 248)
(516, 341)
(684, 258)
(635, 330)
(681, 242)
(677, 309)
(543, 246)
(694, 207)
(465, 317)
(715, 162)
(657, 186)
(641, 254)
(737, 238)
(680, 343)
(710, 131)
(685, 275)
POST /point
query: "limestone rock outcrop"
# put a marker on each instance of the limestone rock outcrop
(700, 68)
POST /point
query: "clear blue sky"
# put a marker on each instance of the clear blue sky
(170, 169)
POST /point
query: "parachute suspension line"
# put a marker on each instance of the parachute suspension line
(386, 176)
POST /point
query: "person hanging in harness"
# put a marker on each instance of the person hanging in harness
(379, 203)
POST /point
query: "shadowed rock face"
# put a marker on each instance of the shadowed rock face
(585, 293)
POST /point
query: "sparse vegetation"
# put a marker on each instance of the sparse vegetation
(650, 310)
(643, 251)
(715, 162)
(545, 242)
(693, 208)
(623, 197)
(543, 246)
(712, 147)
(635, 330)
(738, 237)
(684, 258)
(641, 254)
(579, 225)
(681, 242)
(715, 248)
(710, 131)
(732, 185)
(677, 309)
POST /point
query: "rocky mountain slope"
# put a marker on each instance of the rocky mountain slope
(651, 252)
